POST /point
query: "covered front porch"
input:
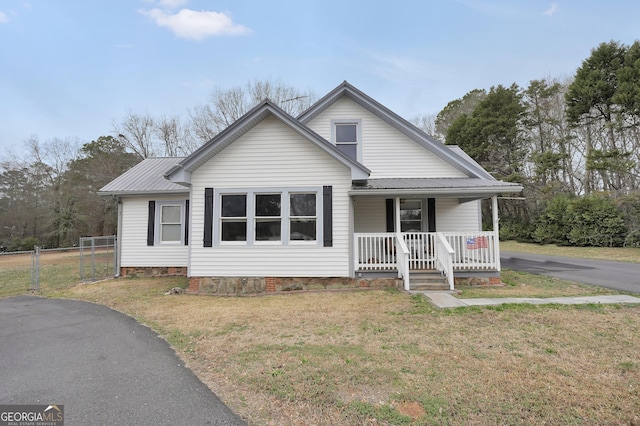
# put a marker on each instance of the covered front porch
(412, 254)
(426, 237)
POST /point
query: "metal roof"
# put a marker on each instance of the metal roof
(146, 177)
(454, 187)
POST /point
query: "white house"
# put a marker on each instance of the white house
(346, 194)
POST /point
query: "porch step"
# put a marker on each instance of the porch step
(427, 281)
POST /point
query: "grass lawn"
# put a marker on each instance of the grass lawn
(387, 357)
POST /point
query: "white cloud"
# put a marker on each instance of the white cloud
(196, 25)
(3, 18)
(552, 9)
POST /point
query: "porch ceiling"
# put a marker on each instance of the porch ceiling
(471, 188)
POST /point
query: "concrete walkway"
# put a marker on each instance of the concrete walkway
(447, 300)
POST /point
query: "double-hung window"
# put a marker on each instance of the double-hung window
(268, 217)
(302, 216)
(167, 222)
(170, 223)
(346, 135)
(233, 217)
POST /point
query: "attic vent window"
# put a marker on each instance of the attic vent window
(347, 138)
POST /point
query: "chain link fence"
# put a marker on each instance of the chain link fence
(98, 258)
(40, 269)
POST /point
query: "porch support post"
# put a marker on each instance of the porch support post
(397, 215)
(496, 230)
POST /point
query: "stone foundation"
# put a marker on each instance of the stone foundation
(225, 286)
(159, 271)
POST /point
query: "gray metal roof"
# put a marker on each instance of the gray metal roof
(146, 177)
(459, 187)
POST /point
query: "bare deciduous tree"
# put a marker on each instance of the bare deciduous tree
(136, 132)
(227, 105)
(174, 135)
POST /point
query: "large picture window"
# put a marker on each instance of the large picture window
(269, 216)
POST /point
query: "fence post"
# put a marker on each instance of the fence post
(35, 269)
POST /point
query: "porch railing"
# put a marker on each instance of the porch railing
(444, 254)
(426, 250)
(474, 250)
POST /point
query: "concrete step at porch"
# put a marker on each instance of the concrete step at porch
(427, 280)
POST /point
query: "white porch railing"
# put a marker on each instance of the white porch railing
(444, 254)
(426, 250)
(474, 250)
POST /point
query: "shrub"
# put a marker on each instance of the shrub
(554, 224)
(597, 222)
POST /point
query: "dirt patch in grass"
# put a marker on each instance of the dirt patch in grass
(385, 357)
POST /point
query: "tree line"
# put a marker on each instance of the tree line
(573, 144)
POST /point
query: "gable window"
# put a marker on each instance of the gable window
(233, 217)
(346, 135)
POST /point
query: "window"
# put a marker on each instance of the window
(170, 223)
(269, 216)
(268, 219)
(410, 215)
(302, 217)
(234, 217)
(347, 137)
(167, 222)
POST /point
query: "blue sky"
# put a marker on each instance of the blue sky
(70, 68)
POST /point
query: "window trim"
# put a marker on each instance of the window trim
(158, 223)
(358, 143)
(285, 216)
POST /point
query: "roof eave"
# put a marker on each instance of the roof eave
(141, 193)
(471, 193)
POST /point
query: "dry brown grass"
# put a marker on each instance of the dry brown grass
(618, 254)
(384, 357)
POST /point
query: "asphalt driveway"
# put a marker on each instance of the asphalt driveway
(103, 366)
(610, 274)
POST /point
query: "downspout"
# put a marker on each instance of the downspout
(118, 240)
(496, 230)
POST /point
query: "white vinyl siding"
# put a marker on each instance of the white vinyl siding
(385, 151)
(271, 155)
(133, 242)
(452, 216)
(370, 214)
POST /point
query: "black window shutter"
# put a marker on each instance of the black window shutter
(431, 214)
(186, 222)
(208, 217)
(327, 215)
(391, 215)
(151, 223)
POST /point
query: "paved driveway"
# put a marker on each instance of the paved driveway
(103, 366)
(614, 275)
